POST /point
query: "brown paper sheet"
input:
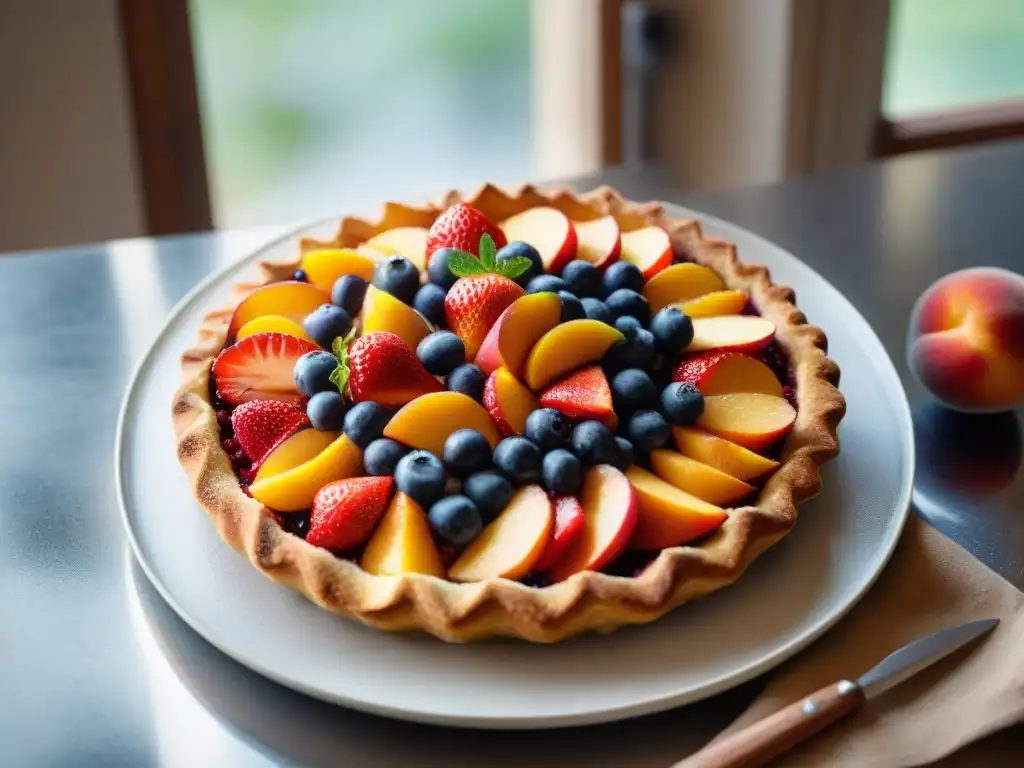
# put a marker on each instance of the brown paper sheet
(930, 583)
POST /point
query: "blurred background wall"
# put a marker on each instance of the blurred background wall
(128, 117)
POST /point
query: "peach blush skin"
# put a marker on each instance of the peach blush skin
(965, 344)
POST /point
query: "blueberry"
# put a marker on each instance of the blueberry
(466, 451)
(593, 443)
(398, 276)
(429, 302)
(518, 248)
(672, 329)
(296, 523)
(437, 269)
(326, 411)
(636, 351)
(546, 284)
(632, 390)
(365, 422)
(548, 428)
(382, 455)
(326, 323)
(572, 309)
(467, 379)
(421, 476)
(623, 274)
(582, 277)
(648, 430)
(518, 458)
(300, 275)
(624, 458)
(597, 310)
(626, 301)
(313, 371)
(562, 472)
(681, 403)
(627, 324)
(455, 521)
(348, 293)
(490, 491)
(441, 352)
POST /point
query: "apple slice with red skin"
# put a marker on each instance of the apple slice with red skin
(721, 372)
(508, 402)
(599, 241)
(546, 229)
(569, 525)
(510, 546)
(736, 333)
(610, 514)
(650, 249)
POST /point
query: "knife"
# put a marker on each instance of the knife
(776, 734)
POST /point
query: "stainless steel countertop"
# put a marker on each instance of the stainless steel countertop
(96, 670)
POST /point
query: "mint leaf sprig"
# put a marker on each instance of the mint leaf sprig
(339, 376)
(465, 264)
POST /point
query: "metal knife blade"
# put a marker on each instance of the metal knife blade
(923, 652)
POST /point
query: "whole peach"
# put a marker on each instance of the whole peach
(966, 339)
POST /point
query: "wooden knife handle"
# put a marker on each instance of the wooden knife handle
(766, 739)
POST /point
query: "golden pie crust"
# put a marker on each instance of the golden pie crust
(587, 601)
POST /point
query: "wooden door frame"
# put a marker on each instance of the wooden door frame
(157, 42)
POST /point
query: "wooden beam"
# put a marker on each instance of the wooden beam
(157, 43)
(951, 128)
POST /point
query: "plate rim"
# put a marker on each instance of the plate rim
(592, 716)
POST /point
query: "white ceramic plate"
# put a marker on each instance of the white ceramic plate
(790, 596)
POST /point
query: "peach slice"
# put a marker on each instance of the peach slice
(409, 242)
(598, 241)
(567, 347)
(272, 324)
(294, 489)
(737, 333)
(402, 542)
(669, 516)
(610, 512)
(715, 303)
(649, 249)
(680, 283)
(325, 265)
(546, 229)
(383, 312)
(748, 419)
(717, 452)
(509, 546)
(290, 299)
(427, 421)
(296, 449)
(516, 330)
(720, 372)
(508, 402)
(706, 483)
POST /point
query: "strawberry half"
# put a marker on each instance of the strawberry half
(260, 367)
(582, 395)
(569, 525)
(461, 226)
(261, 424)
(345, 512)
(485, 289)
(383, 368)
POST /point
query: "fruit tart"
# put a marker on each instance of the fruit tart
(527, 414)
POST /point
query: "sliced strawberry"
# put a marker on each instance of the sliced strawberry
(260, 367)
(461, 226)
(345, 512)
(569, 525)
(383, 368)
(582, 395)
(261, 424)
